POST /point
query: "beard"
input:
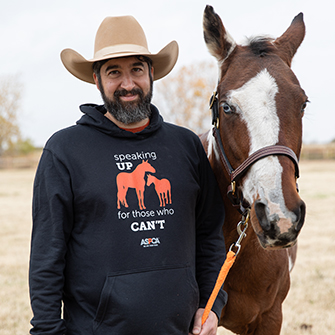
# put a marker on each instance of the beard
(129, 112)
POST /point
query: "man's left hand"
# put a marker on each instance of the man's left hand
(209, 327)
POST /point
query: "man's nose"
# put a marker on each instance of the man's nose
(127, 82)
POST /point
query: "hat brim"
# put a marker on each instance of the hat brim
(162, 62)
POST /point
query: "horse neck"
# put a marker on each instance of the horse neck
(140, 169)
(151, 179)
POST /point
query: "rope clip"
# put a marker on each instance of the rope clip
(241, 229)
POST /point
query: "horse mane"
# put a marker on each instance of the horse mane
(260, 45)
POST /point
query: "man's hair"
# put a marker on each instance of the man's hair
(97, 65)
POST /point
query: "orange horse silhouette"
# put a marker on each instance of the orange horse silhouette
(163, 189)
(135, 179)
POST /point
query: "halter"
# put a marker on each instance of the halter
(237, 199)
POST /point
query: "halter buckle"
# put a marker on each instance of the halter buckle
(233, 187)
(214, 108)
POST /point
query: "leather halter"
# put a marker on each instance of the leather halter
(235, 174)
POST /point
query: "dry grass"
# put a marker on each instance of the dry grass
(309, 308)
(15, 227)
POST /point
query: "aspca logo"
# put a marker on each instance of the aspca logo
(150, 242)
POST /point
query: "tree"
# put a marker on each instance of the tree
(10, 96)
(183, 98)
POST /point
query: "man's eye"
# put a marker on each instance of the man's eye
(113, 73)
(137, 69)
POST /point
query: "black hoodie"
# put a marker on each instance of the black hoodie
(126, 230)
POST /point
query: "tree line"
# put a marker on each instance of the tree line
(182, 98)
(11, 141)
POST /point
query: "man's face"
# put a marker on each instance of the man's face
(126, 89)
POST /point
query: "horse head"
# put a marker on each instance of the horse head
(146, 167)
(260, 104)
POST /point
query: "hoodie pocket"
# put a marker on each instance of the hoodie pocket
(159, 301)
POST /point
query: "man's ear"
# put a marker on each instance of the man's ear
(152, 72)
(96, 81)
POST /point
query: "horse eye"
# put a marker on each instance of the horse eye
(303, 106)
(227, 108)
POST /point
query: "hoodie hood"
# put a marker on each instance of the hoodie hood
(94, 117)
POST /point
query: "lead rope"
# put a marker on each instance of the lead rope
(231, 256)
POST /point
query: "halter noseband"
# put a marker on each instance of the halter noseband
(236, 174)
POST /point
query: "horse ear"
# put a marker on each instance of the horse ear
(290, 41)
(219, 43)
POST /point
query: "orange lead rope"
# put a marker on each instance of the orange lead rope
(231, 256)
(219, 282)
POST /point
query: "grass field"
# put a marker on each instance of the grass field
(308, 309)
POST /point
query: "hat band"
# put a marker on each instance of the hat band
(121, 48)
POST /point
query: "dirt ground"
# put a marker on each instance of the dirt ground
(308, 309)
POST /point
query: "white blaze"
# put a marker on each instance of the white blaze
(256, 100)
(256, 104)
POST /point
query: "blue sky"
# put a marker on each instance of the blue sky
(33, 33)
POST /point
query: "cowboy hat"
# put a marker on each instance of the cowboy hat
(120, 36)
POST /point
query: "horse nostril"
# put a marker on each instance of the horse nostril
(261, 213)
(300, 213)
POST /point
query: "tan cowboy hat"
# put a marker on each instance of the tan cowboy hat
(120, 36)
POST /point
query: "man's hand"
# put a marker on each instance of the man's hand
(209, 327)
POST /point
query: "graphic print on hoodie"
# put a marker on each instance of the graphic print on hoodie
(139, 178)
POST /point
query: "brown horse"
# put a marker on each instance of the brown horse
(253, 149)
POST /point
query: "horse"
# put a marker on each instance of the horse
(163, 189)
(136, 180)
(253, 148)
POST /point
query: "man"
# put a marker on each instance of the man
(124, 255)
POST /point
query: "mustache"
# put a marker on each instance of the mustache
(124, 92)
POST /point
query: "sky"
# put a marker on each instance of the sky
(34, 32)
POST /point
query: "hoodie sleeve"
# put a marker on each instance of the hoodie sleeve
(52, 224)
(211, 252)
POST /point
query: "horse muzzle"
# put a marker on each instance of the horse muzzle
(276, 228)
